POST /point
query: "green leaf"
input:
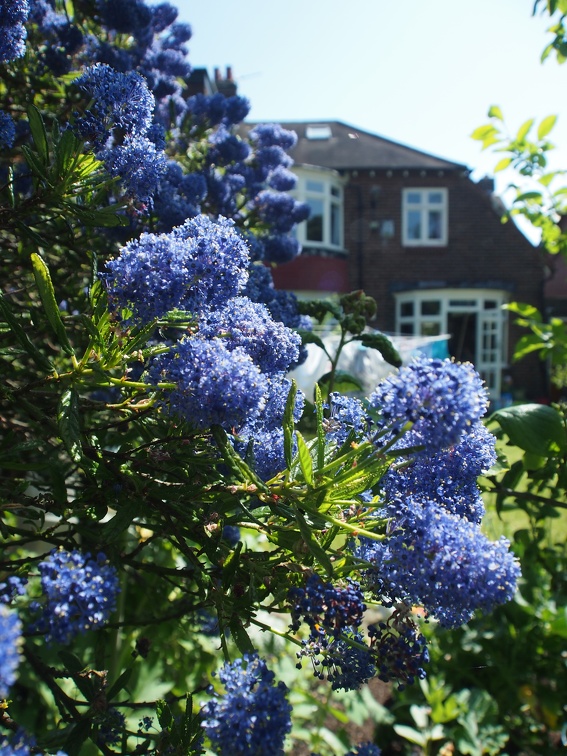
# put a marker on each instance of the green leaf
(39, 133)
(305, 461)
(65, 153)
(313, 544)
(35, 164)
(120, 684)
(524, 129)
(164, 715)
(502, 164)
(546, 126)
(40, 360)
(241, 637)
(536, 428)
(234, 460)
(308, 337)
(382, 344)
(289, 424)
(121, 521)
(47, 294)
(68, 422)
(408, 733)
(343, 381)
(495, 112)
(320, 429)
(77, 736)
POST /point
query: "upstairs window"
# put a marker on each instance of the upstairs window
(425, 216)
(323, 192)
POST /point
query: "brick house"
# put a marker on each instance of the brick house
(416, 233)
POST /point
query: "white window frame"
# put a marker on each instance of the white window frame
(331, 197)
(425, 207)
(491, 326)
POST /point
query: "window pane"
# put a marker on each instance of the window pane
(335, 191)
(315, 221)
(434, 224)
(414, 224)
(335, 224)
(413, 198)
(315, 186)
(431, 308)
(406, 309)
(406, 329)
(431, 328)
(435, 198)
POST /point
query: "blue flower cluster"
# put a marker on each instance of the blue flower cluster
(7, 131)
(440, 561)
(439, 398)
(10, 640)
(197, 266)
(118, 128)
(337, 649)
(13, 15)
(252, 716)
(399, 648)
(79, 594)
(20, 744)
(347, 417)
(447, 477)
(325, 608)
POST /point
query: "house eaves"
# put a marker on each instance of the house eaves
(333, 144)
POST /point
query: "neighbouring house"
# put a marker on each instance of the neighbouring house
(416, 233)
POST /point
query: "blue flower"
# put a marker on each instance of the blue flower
(10, 640)
(138, 164)
(121, 100)
(198, 265)
(79, 594)
(7, 131)
(252, 717)
(326, 609)
(249, 325)
(447, 477)
(347, 415)
(440, 561)
(214, 386)
(440, 398)
(272, 134)
(13, 15)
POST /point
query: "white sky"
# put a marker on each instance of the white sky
(420, 72)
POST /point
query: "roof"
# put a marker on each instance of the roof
(333, 144)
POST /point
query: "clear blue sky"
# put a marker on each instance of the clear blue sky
(421, 72)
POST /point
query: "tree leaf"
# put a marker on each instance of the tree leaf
(382, 344)
(39, 133)
(320, 429)
(289, 424)
(47, 294)
(501, 165)
(40, 360)
(305, 461)
(546, 126)
(536, 428)
(495, 112)
(68, 422)
(313, 544)
(524, 129)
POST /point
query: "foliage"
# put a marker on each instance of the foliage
(159, 506)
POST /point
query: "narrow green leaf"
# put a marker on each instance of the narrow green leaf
(47, 294)
(68, 422)
(35, 164)
(121, 521)
(39, 133)
(77, 736)
(320, 429)
(501, 165)
(313, 544)
(308, 337)
(305, 461)
(65, 153)
(483, 132)
(233, 459)
(241, 637)
(289, 424)
(40, 360)
(546, 126)
(524, 129)
(343, 381)
(164, 715)
(119, 684)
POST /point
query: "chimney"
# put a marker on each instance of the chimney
(226, 86)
